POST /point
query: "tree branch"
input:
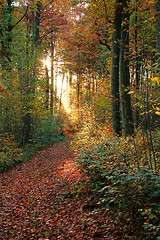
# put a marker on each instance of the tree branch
(104, 43)
(21, 17)
(45, 35)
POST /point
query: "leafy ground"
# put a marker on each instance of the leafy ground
(38, 201)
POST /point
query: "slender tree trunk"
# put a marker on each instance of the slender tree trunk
(37, 22)
(10, 26)
(78, 90)
(5, 54)
(136, 52)
(137, 67)
(126, 109)
(30, 78)
(52, 73)
(47, 87)
(36, 17)
(36, 14)
(26, 130)
(6, 27)
(89, 88)
(157, 14)
(55, 81)
(70, 87)
(115, 103)
(61, 94)
(93, 84)
(29, 86)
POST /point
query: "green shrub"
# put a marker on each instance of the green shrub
(10, 153)
(47, 130)
(120, 171)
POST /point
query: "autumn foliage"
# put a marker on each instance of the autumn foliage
(122, 175)
(86, 70)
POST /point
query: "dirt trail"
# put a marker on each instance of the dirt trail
(35, 201)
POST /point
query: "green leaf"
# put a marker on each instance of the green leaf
(152, 216)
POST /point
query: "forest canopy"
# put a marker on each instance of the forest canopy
(62, 61)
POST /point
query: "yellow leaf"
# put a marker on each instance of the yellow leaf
(139, 187)
(156, 80)
(157, 112)
(130, 92)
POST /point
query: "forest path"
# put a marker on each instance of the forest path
(35, 201)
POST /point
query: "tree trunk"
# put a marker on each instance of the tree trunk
(56, 99)
(61, 94)
(26, 118)
(157, 14)
(37, 22)
(137, 68)
(70, 87)
(9, 27)
(30, 78)
(78, 90)
(6, 27)
(52, 73)
(126, 110)
(115, 103)
(47, 87)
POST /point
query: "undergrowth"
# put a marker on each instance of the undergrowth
(46, 132)
(124, 172)
(10, 153)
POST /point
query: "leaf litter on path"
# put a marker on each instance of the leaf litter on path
(36, 202)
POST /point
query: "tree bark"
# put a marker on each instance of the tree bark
(10, 26)
(6, 27)
(157, 15)
(115, 102)
(137, 68)
(26, 117)
(78, 90)
(61, 94)
(70, 87)
(52, 73)
(30, 78)
(47, 87)
(126, 109)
